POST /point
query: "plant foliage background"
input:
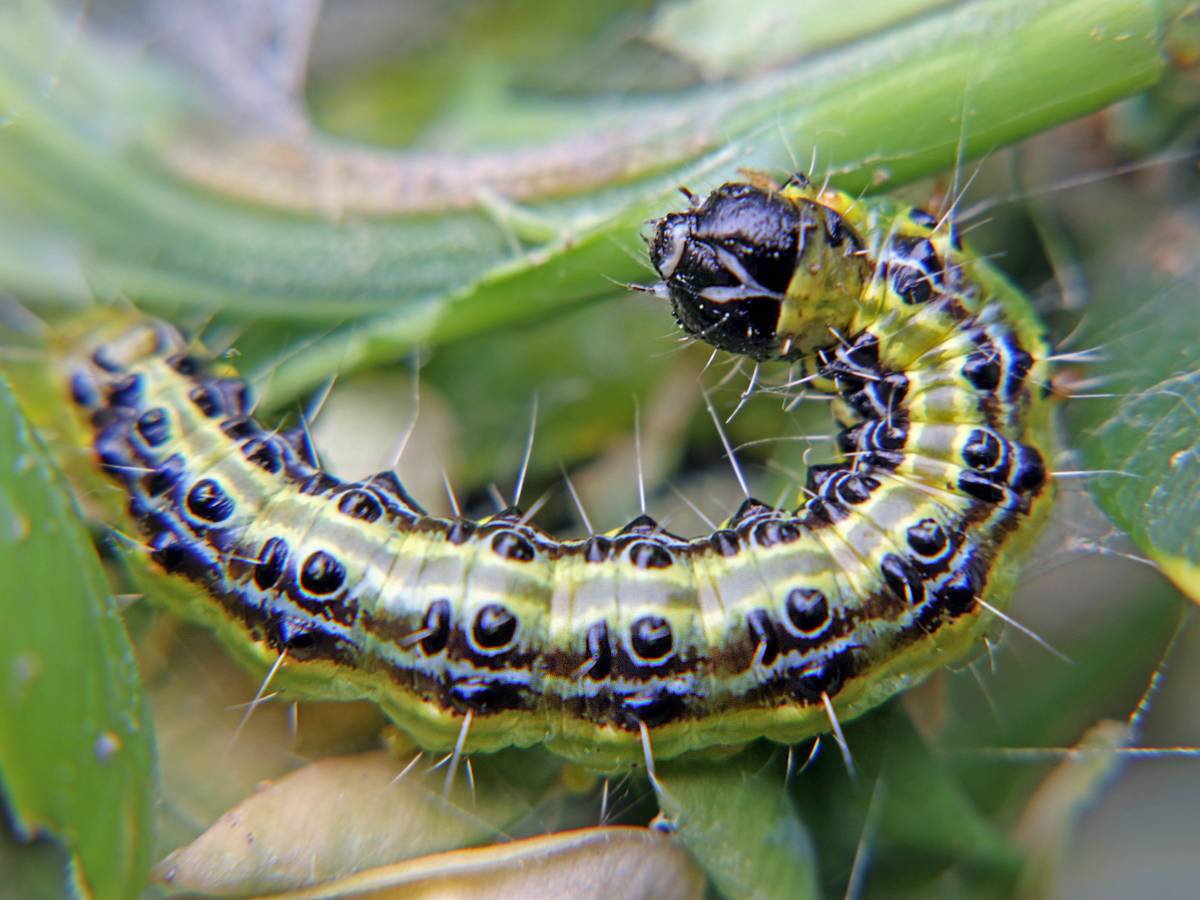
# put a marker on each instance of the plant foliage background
(368, 190)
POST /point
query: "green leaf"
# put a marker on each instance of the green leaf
(1143, 437)
(76, 747)
(737, 819)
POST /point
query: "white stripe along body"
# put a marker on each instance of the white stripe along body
(590, 646)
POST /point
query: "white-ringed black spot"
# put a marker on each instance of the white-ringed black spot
(983, 450)
(265, 453)
(361, 505)
(495, 628)
(650, 639)
(126, 392)
(763, 637)
(510, 545)
(185, 364)
(208, 501)
(649, 555)
(437, 624)
(208, 400)
(154, 426)
(322, 574)
(982, 369)
(927, 538)
(272, 560)
(806, 612)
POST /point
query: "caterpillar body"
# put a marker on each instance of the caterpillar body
(492, 633)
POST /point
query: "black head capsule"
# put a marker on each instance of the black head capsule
(758, 271)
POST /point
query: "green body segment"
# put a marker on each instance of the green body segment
(490, 634)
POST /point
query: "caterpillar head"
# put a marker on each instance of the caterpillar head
(759, 271)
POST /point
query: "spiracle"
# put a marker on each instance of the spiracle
(490, 633)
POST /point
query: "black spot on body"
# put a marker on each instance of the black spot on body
(513, 546)
(322, 574)
(597, 549)
(460, 531)
(806, 610)
(437, 623)
(495, 627)
(361, 505)
(241, 428)
(208, 501)
(1029, 473)
(776, 531)
(652, 708)
(126, 392)
(958, 593)
(649, 555)
(154, 426)
(483, 696)
(179, 555)
(599, 651)
(902, 579)
(927, 538)
(980, 487)
(982, 449)
(208, 400)
(320, 483)
(725, 542)
(1019, 364)
(272, 561)
(650, 639)
(185, 364)
(808, 683)
(982, 369)
(922, 217)
(165, 476)
(83, 391)
(102, 359)
(763, 637)
(264, 452)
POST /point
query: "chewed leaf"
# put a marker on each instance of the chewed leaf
(588, 864)
(346, 814)
(76, 754)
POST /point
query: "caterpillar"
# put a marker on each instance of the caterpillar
(478, 635)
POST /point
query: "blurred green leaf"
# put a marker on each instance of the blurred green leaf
(1144, 437)
(76, 746)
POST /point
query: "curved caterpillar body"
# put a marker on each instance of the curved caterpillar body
(492, 633)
